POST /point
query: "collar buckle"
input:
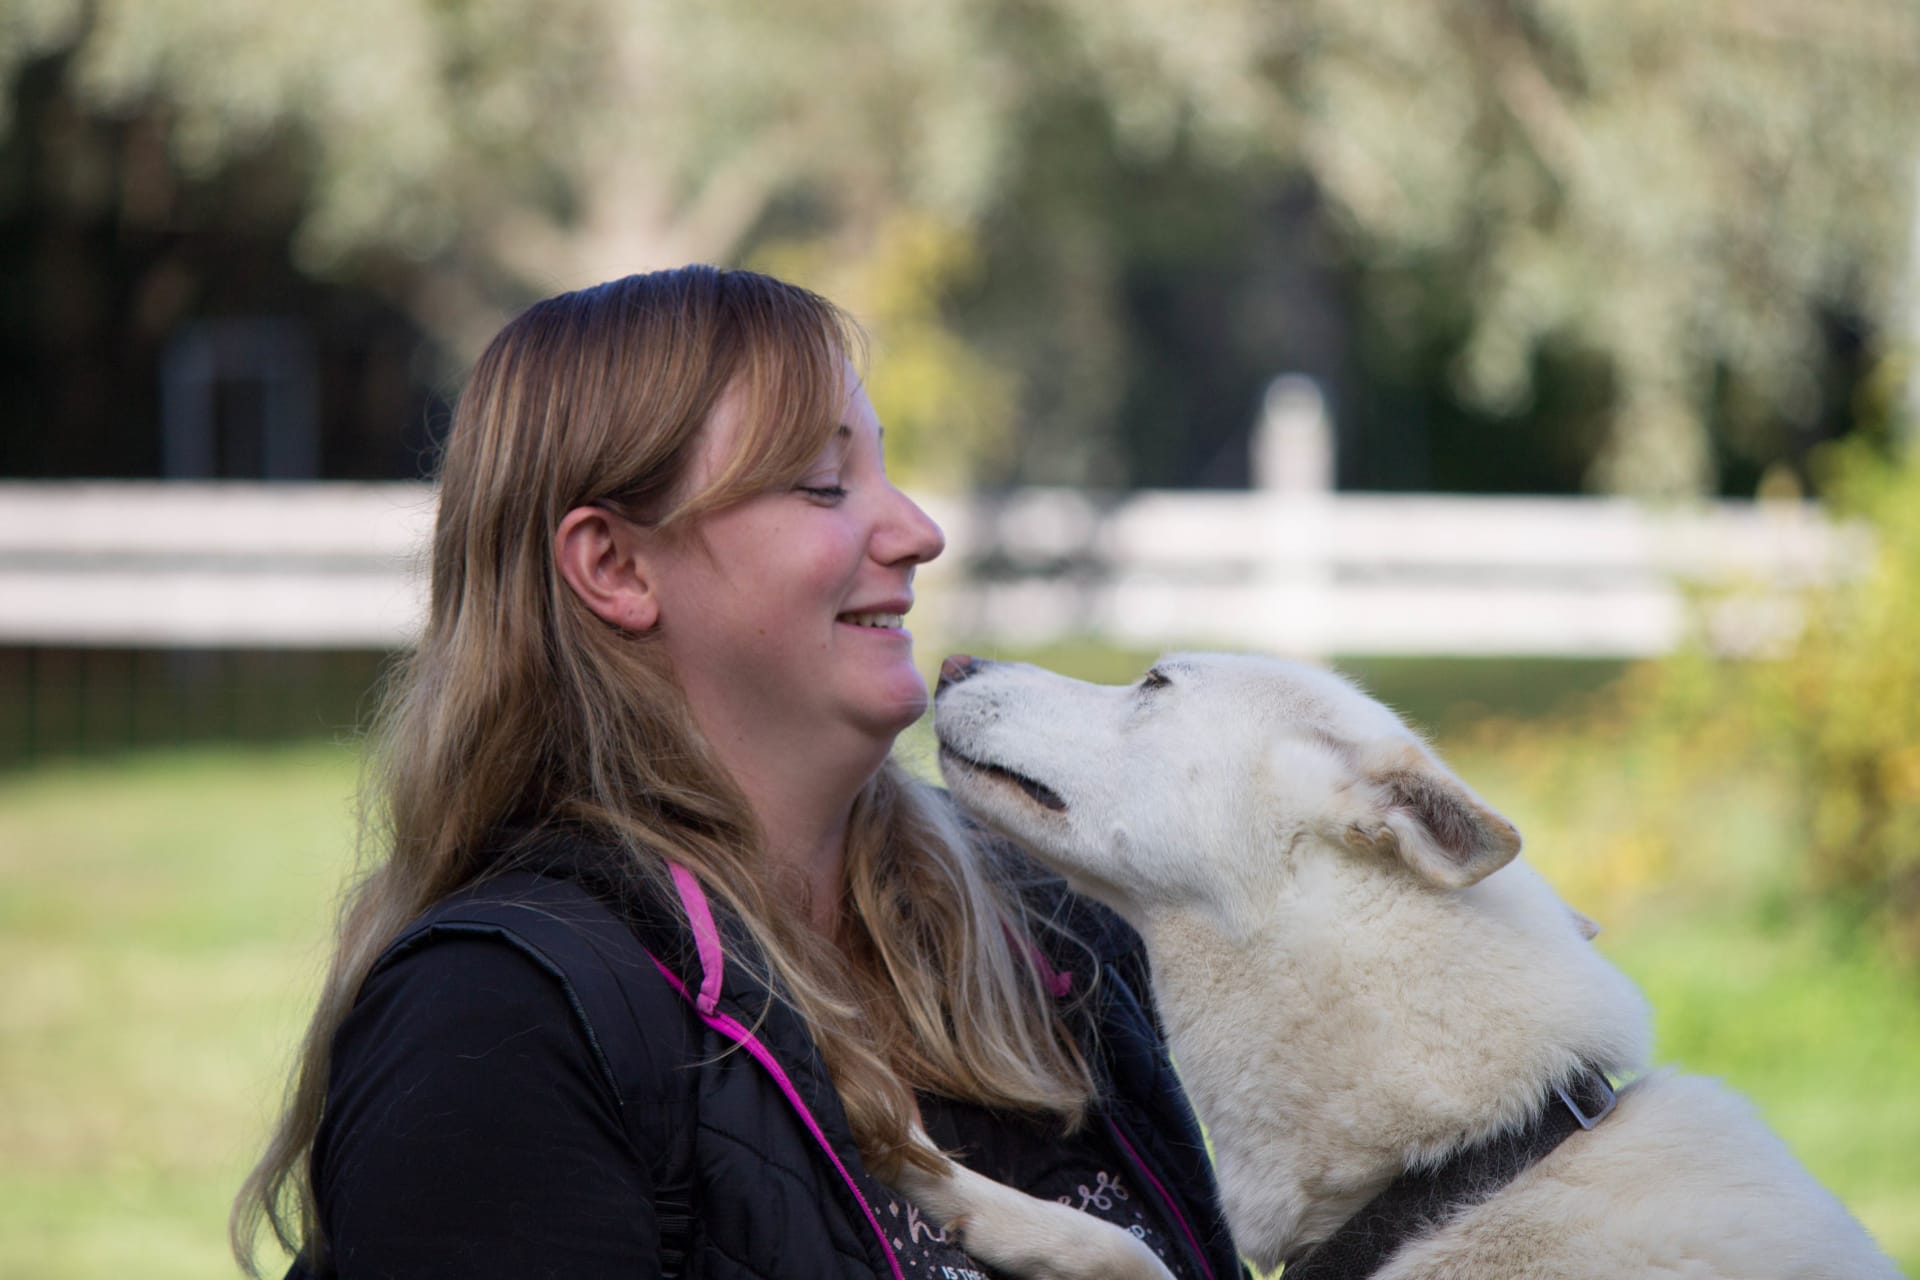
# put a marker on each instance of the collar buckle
(1596, 1103)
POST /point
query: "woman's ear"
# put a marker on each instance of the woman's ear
(601, 556)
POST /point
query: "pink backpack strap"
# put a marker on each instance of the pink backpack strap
(706, 938)
(1058, 984)
(712, 962)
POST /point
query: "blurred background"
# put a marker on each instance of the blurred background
(1552, 366)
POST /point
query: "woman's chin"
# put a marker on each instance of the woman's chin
(894, 712)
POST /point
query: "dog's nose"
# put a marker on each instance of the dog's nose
(956, 668)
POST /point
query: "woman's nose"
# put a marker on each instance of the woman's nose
(911, 536)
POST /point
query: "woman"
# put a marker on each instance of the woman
(639, 816)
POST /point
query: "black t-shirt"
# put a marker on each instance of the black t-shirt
(469, 1134)
(1078, 1169)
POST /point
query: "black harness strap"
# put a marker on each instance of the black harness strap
(1420, 1200)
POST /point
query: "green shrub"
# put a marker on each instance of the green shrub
(1843, 708)
(1791, 779)
(1832, 723)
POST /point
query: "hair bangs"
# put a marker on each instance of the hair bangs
(795, 360)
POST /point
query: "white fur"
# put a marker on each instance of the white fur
(1026, 1236)
(1357, 978)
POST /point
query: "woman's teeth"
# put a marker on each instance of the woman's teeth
(890, 620)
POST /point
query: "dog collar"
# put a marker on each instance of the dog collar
(1420, 1200)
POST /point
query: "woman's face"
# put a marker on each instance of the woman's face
(782, 614)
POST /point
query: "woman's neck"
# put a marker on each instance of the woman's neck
(815, 868)
(803, 818)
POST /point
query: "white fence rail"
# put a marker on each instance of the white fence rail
(318, 566)
(342, 566)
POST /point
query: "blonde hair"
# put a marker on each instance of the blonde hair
(519, 706)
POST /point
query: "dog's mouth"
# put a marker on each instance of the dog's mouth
(1041, 794)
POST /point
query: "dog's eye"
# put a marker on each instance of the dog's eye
(1154, 680)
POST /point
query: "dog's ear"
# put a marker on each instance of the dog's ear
(1435, 823)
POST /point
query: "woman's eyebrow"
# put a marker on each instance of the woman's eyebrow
(837, 443)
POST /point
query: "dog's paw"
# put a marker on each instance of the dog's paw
(1061, 1244)
(1024, 1236)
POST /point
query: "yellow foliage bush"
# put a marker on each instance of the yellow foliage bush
(1843, 708)
(1794, 777)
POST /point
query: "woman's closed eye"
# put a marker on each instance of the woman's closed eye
(829, 491)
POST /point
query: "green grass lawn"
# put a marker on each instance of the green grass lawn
(1818, 1034)
(162, 925)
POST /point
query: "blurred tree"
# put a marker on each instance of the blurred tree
(556, 142)
(1694, 205)
(946, 408)
(1695, 193)
(116, 275)
(462, 157)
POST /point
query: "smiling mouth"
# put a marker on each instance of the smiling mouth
(881, 621)
(1040, 793)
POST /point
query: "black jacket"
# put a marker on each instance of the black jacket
(628, 1109)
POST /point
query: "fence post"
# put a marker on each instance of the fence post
(1293, 448)
(1293, 472)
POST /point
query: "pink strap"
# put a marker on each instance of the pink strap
(1058, 984)
(706, 938)
(732, 1029)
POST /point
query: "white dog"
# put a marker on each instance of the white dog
(1398, 1037)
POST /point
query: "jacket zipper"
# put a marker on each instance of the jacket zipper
(1166, 1197)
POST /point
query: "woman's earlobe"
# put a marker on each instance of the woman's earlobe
(599, 557)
